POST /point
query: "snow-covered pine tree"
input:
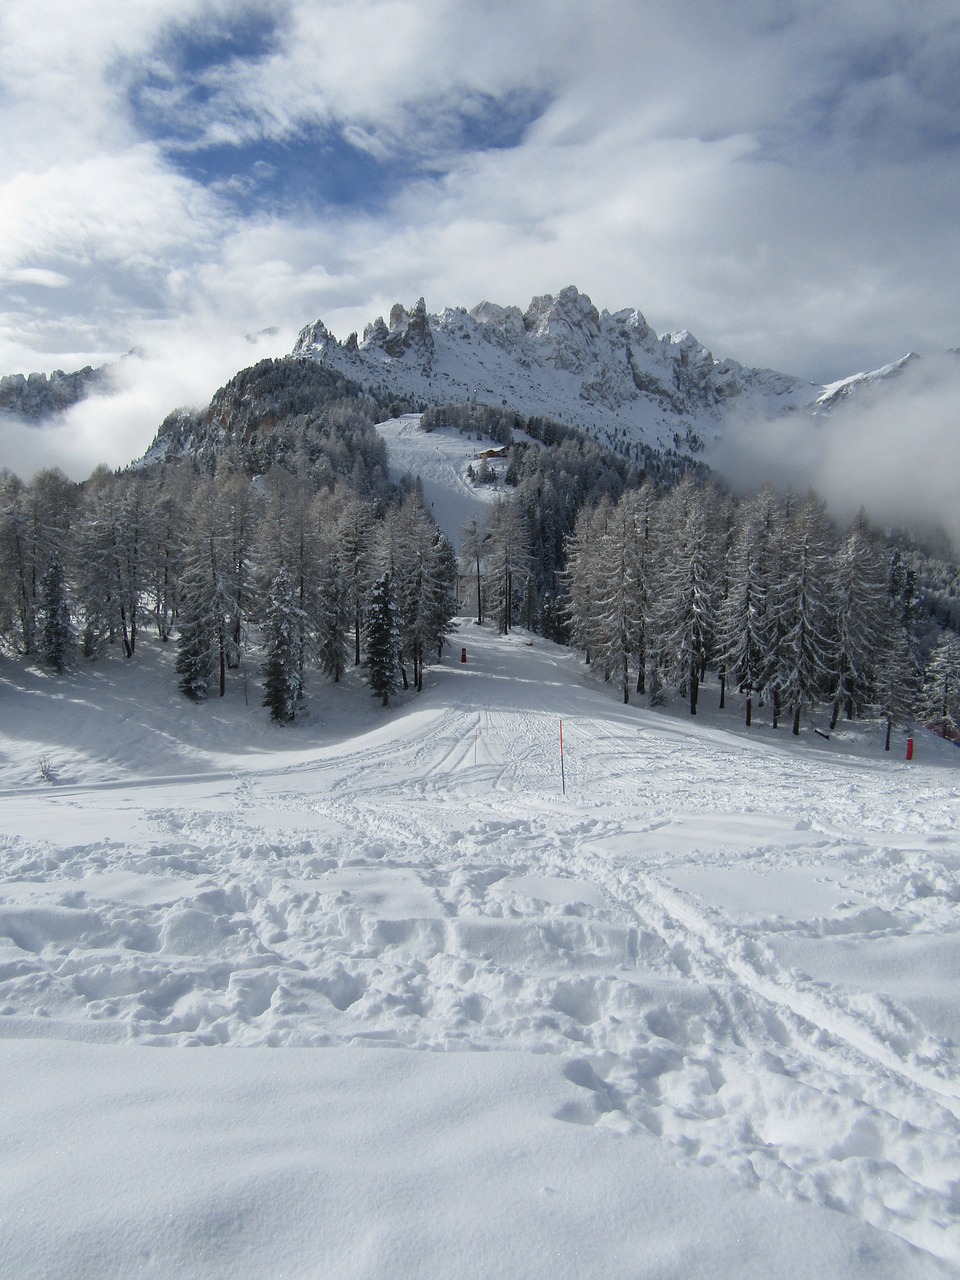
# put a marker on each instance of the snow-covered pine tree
(113, 538)
(582, 576)
(57, 642)
(197, 633)
(239, 515)
(861, 618)
(895, 679)
(332, 616)
(290, 540)
(18, 617)
(806, 650)
(383, 640)
(743, 625)
(619, 597)
(940, 700)
(423, 570)
(685, 611)
(642, 507)
(441, 600)
(166, 545)
(35, 523)
(282, 629)
(355, 542)
(208, 599)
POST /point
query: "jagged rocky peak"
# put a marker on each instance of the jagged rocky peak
(375, 334)
(409, 331)
(570, 309)
(313, 340)
(567, 327)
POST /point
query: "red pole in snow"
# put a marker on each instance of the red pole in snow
(910, 747)
(463, 654)
(563, 780)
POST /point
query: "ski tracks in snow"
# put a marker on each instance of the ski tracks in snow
(429, 887)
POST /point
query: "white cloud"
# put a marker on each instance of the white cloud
(894, 449)
(38, 276)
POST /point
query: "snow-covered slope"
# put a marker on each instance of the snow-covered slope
(607, 373)
(836, 392)
(440, 460)
(696, 1015)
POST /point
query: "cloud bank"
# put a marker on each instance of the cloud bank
(893, 449)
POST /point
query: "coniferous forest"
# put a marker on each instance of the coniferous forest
(263, 536)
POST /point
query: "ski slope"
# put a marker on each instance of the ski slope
(440, 460)
(373, 996)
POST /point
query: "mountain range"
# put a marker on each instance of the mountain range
(607, 373)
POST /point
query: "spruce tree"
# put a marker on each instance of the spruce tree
(332, 621)
(57, 640)
(282, 629)
(197, 636)
(895, 679)
(383, 640)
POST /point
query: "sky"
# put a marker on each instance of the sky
(195, 180)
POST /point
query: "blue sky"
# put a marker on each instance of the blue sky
(781, 177)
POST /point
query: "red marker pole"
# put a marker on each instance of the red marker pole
(563, 780)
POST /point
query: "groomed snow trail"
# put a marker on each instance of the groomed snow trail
(424, 884)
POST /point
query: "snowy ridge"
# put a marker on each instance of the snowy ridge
(836, 392)
(721, 962)
(606, 373)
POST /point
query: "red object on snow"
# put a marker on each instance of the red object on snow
(463, 655)
(909, 748)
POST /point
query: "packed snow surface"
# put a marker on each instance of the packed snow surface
(373, 996)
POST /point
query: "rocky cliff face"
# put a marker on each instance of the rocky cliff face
(38, 396)
(608, 373)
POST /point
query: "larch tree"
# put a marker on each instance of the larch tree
(355, 539)
(806, 651)
(861, 618)
(743, 625)
(509, 560)
(940, 699)
(685, 609)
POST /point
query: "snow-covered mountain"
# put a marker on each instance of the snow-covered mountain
(836, 393)
(608, 373)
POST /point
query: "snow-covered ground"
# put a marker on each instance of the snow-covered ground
(441, 460)
(370, 996)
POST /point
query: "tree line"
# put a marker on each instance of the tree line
(660, 586)
(229, 568)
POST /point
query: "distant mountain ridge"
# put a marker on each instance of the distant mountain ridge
(607, 373)
(37, 396)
